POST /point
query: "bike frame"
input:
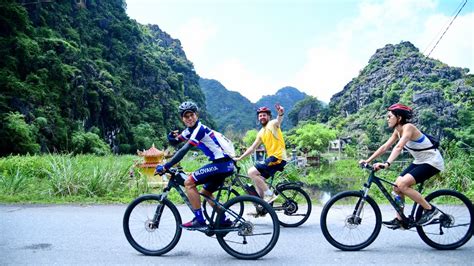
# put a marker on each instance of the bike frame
(407, 222)
(172, 183)
(237, 180)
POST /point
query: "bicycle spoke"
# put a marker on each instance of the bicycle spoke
(344, 230)
(453, 227)
(293, 206)
(146, 235)
(252, 235)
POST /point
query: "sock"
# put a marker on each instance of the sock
(199, 217)
(268, 192)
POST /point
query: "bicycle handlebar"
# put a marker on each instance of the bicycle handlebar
(172, 171)
(370, 167)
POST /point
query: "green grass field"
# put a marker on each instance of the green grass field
(108, 179)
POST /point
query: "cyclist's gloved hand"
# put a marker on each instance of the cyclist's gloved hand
(160, 169)
(172, 137)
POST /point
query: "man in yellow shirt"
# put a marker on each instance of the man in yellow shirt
(272, 138)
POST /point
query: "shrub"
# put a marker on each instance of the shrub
(89, 142)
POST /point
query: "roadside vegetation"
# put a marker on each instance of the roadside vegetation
(89, 179)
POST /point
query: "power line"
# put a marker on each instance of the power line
(441, 29)
(447, 28)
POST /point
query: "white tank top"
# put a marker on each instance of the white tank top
(432, 156)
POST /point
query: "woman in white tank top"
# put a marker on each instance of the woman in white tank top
(428, 160)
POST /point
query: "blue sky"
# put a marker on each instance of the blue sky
(256, 47)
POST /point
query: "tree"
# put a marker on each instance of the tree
(312, 136)
(144, 136)
(17, 136)
(250, 137)
(89, 142)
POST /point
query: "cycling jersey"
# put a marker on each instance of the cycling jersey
(431, 156)
(272, 139)
(211, 175)
(203, 138)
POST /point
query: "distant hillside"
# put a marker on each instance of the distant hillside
(309, 109)
(232, 111)
(286, 97)
(441, 96)
(75, 73)
(229, 109)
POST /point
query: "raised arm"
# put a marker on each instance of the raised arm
(281, 112)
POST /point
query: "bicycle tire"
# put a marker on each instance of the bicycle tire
(293, 206)
(337, 221)
(454, 221)
(250, 237)
(207, 209)
(138, 223)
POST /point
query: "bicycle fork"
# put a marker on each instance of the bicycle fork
(155, 222)
(359, 207)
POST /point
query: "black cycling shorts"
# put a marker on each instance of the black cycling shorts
(213, 175)
(421, 172)
(269, 167)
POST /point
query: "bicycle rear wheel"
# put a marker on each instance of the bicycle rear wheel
(343, 229)
(453, 226)
(293, 206)
(250, 236)
(148, 232)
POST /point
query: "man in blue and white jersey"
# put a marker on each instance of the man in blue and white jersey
(211, 175)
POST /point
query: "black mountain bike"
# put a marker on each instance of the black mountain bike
(292, 206)
(151, 223)
(351, 220)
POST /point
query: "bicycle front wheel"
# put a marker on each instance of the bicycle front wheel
(152, 226)
(251, 235)
(293, 206)
(453, 226)
(346, 230)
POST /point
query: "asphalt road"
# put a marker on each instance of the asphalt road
(72, 234)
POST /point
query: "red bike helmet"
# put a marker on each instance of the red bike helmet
(264, 109)
(399, 106)
(401, 110)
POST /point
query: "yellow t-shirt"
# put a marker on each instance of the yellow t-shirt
(273, 141)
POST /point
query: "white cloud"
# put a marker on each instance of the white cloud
(194, 35)
(327, 70)
(456, 48)
(333, 62)
(235, 76)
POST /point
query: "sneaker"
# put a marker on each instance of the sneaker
(257, 213)
(393, 224)
(194, 224)
(428, 216)
(270, 198)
